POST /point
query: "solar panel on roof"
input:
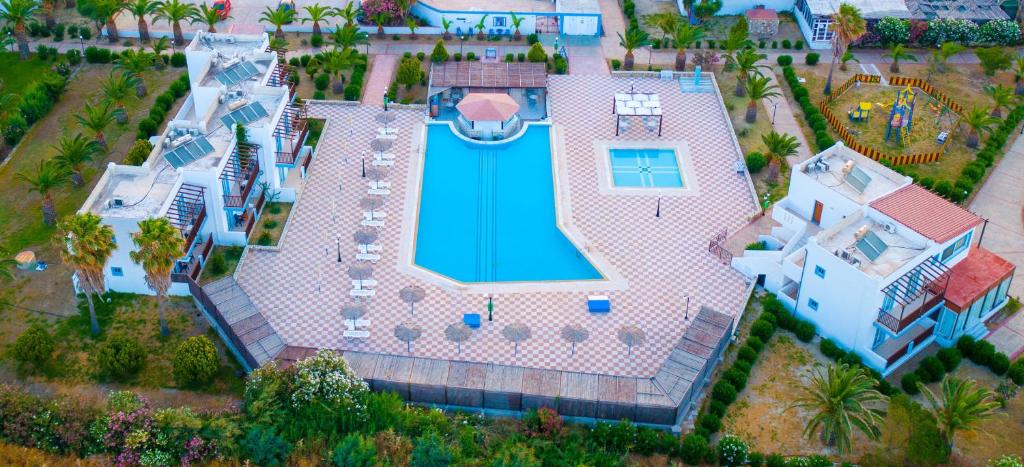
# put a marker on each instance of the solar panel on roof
(872, 246)
(858, 179)
(246, 114)
(237, 73)
(188, 152)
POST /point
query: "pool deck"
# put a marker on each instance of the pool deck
(300, 287)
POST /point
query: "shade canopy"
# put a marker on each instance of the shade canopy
(488, 107)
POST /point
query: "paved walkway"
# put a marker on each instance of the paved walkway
(785, 120)
(1000, 201)
(380, 78)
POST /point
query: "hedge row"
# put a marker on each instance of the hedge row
(931, 369)
(35, 103)
(812, 115)
(150, 125)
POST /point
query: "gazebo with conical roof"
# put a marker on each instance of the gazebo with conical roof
(488, 115)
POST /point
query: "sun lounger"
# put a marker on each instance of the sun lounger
(373, 258)
(360, 323)
(371, 248)
(375, 215)
(380, 184)
(599, 304)
(389, 134)
(366, 283)
(373, 223)
(384, 156)
(380, 163)
(355, 334)
(362, 293)
(471, 319)
(378, 192)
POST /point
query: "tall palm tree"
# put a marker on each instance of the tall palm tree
(140, 9)
(116, 88)
(87, 245)
(779, 146)
(480, 26)
(685, 35)
(380, 19)
(349, 36)
(757, 88)
(105, 11)
(158, 245)
(349, 13)
(209, 16)
(159, 46)
(978, 121)
(277, 17)
(73, 153)
(666, 22)
(134, 63)
(959, 406)
(174, 12)
(847, 26)
(15, 15)
(737, 39)
(516, 22)
(634, 39)
(1002, 98)
(746, 65)
(96, 117)
(896, 53)
(47, 177)
(841, 398)
(318, 13)
(446, 25)
(410, 22)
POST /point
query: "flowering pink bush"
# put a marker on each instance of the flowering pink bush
(395, 9)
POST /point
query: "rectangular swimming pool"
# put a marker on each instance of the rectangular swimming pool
(487, 212)
(645, 168)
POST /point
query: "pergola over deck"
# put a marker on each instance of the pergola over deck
(487, 75)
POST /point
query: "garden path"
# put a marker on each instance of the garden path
(380, 78)
(784, 120)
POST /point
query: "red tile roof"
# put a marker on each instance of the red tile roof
(926, 213)
(974, 276)
(761, 14)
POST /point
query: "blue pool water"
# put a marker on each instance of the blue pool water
(645, 168)
(487, 212)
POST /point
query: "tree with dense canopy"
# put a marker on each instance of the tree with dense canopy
(158, 246)
(847, 26)
(47, 177)
(841, 399)
(16, 14)
(86, 246)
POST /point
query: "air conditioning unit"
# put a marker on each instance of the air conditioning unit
(229, 39)
(116, 203)
(891, 228)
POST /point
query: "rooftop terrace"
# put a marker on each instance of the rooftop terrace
(871, 257)
(869, 180)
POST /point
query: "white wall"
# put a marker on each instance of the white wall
(804, 191)
(738, 7)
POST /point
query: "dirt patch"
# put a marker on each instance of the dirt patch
(271, 223)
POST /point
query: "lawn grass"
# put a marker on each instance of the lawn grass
(272, 223)
(16, 74)
(231, 255)
(930, 118)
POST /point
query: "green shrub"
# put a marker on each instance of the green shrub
(532, 39)
(263, 447)
(217, 264)
(755, 342)
(909, 383)
(786, 44)
(999, 363)
(319, 95)
(717, 408)
(736, 378)
(966, 345)
(14, 128)
(784, 60)
(984, 352)
(724, 391)
(440, 53)
(756, 459)
(950, 358)
(1016, 372)
(829, 348)
(195, 362)
(178, 60)
(355, 451)
(762, 329)
(891, 30)
(732, 451)
(34, 346)
(812, 58)
(561, 65)
(147, 127)
(798, 45)
(178, 89)
(120, 357)
(931, 370)
(755, 162)
(694, 449)
(755, 246)
(743, 365)
(430, 450)
(616, 64)
(537, 54)
(710, 422)
(322, 81)
(775, 460)
(353, 92)
(805, 331)
(746, 353)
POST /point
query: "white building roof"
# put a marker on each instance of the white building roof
(868, 8)
(830, 166)
(577, 6)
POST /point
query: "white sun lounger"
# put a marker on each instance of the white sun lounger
(371, 248)
(373, 258)
(387, 156)
(375, 215)
(355, 334)
(380, 184)
(360, 323)
(390, 132)
(362, 292)
(373, 223)
(378, 191)
(380, 163)
(366, 283)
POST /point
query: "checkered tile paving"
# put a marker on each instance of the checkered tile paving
(301, 288)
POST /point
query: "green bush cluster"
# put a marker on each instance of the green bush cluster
(37, 100)
(150, 125)
(814, 118)
(756, 162)
(95, 54)
(195, 362)
(139, 152)
(120, 357)
(830, 349)
(178, 60)
(983, 353)
(354, 89)
(34, 346)
(812, 58)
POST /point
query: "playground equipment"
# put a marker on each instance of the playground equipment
(861, 114)
(901, 117)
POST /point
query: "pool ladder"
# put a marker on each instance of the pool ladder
(486, 217)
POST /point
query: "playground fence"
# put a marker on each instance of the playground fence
(839, 126)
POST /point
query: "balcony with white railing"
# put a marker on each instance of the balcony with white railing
(187, 212)
(239, 175)
(913, 295)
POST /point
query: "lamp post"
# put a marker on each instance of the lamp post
(650, 57)
(686, 315)
(338, 239)
(81, 42)
(9, 40)
(775, 106)
(462, 42)
(490, 308)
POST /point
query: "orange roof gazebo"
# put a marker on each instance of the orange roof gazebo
(491, 107)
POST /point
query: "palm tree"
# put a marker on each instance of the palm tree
(847, 57)
(757, 88)
(480, 26)
(516, 22)
(446, 25)
(685, 35)
(158, 245)
(88, 245)
(1018, 76)
(410, 22)
(847, 26)
(105, 11)
(1002, 98)
(666, 22)
(634, 39)
(841, 398)
(318, 13)
(74, 153)
(335, 61)
(777, 148)
(349, 36)
(134, 63)
(6, 263)
(116, 89)
(158, 47)
(736, 40)
(46, 7)
(349, 13)
(47, 177)
(380, 19)
(15, 15)
(174, 12)
(960, 406)
(896, 53)
(209, 16)
(277, 17)
(140, 9)
(978, 121)
(96, 118)
(746, 65)
(947, 50)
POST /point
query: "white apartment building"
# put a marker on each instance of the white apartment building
(880, 265)
(210, 185)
